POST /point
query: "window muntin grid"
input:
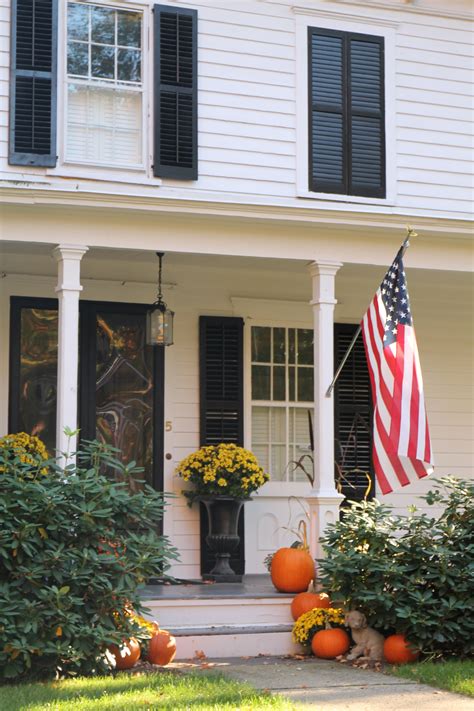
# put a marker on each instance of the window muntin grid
(104, 118)
(104, 44)
(282, 393)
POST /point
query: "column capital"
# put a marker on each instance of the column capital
(324, 267)
(69, 251)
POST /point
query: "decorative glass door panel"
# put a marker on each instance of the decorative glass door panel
(34, 351)
(124, 388)
(121, 380)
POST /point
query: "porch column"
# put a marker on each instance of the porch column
(68, 289)
(324, 499)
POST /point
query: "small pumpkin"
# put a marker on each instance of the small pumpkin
(397, 651)
(292, 569)
(127, 655)
(161, 648)
(329, 644)
(306, 601)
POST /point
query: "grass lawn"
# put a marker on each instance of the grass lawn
(454, 676)
(145, 691)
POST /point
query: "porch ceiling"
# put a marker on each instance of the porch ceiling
(250, 277)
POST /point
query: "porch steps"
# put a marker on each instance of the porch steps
(231, 620)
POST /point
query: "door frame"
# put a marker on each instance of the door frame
(86, 389)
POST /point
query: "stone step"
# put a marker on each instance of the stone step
(224, 620)
(234, 641)
(171, 613)
(227, 629)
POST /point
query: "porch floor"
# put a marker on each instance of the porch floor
(251, 587)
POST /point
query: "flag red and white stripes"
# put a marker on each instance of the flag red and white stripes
(401, 441)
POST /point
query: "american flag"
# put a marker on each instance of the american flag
(401, 444)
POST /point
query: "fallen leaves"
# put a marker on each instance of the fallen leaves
(361, 663)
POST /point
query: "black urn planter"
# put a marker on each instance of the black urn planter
(223, 514)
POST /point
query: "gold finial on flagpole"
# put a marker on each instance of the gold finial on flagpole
(411, 232)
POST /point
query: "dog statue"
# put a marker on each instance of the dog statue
(368, 642)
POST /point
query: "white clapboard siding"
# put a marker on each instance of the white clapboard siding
(448, 166)
(247, 104)
(248, 61)
(245, 101)
(248, 116)
(245, 85)
(419, 97)
(246, 143)
(245, 32)
(434, 111)
(227, 156)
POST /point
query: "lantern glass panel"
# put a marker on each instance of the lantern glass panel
(159, 327)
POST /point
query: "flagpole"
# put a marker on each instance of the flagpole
(410, 233)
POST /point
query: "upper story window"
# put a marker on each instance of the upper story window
(104, 124)
(282, 393)
(346, 113)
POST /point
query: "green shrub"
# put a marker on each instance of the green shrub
(75, 548)
(412, 575)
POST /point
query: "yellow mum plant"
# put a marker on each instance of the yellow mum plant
(22, 453)
(222, 470)
(315, 620)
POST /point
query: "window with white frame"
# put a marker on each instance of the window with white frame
(104, 118)
(282, 394)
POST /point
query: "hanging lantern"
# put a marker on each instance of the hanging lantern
(159, 318)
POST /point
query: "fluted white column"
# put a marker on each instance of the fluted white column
(68, 289)
(324, 499)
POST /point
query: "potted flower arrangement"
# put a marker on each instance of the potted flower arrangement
(323, 629)
(222, 476)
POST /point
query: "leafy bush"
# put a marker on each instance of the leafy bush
(75, 548)
(412, 575)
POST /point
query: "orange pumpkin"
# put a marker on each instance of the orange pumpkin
(328, 644)
(161, 648)
(397, 651)
(127, 655)
(292, 570)
(306, 601)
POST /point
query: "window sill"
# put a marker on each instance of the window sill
(389, 201)
(112, 175)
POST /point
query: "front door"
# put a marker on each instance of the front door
(121, 379)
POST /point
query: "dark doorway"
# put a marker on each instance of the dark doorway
(121, 380)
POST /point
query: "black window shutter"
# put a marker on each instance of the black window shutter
(221, 380)
(366, 116)
(175, 106)
(346, 113)
(327, 108)
(221, 356)
(353, 414)
(33, 83)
